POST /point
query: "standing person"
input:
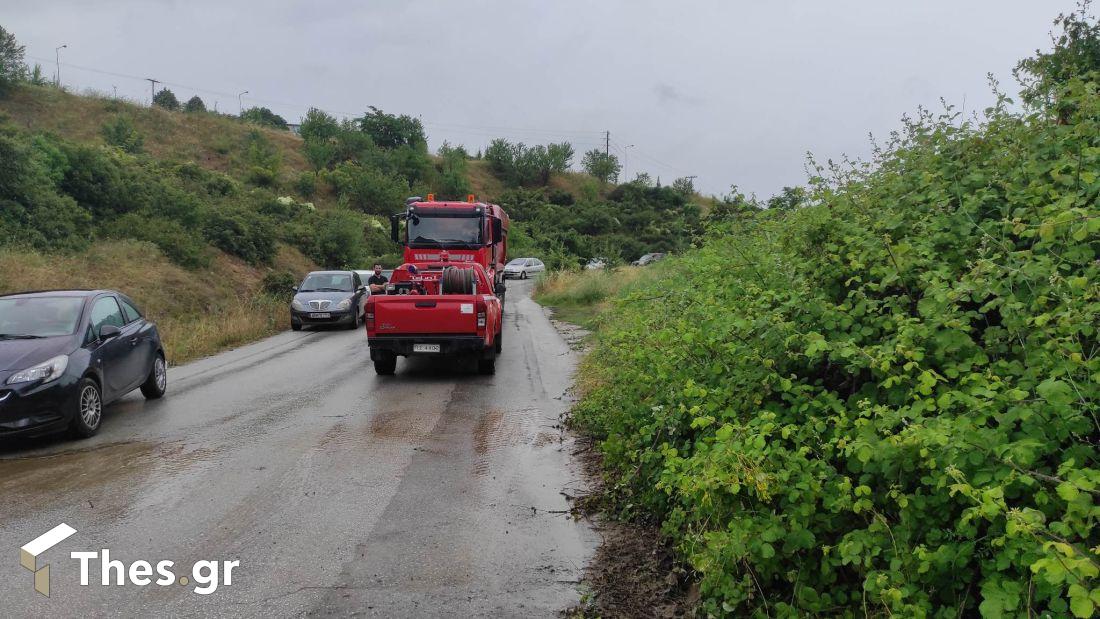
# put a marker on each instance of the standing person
(377, 282)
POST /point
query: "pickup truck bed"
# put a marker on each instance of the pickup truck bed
(406, 321)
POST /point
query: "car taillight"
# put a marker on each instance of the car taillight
(480, 313)
(369, 315)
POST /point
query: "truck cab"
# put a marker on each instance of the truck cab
(467, 231)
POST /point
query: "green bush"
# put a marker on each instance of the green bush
(241, 231)
(120, 132)
(306, 184)
(369, 190)
(887, 401)
(178, 243)
(280, 284)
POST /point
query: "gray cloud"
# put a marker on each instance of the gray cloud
(732, 91)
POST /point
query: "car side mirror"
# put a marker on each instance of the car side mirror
(107, 332)
(294, 288)
(361, 289)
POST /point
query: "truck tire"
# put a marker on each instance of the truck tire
(488, 367)
(458, 281)
(385, 366)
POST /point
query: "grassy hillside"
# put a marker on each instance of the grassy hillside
(212, 141)
(198, 312)
(885, 402)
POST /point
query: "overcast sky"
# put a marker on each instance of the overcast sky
(734, 91)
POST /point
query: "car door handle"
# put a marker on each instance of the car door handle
(134, 341)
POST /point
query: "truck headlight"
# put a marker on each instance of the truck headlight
(296, 304)
(45, 372)
(343, 305)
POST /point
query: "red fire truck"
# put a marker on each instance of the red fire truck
(469, 231)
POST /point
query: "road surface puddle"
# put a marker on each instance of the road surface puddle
(103, 476)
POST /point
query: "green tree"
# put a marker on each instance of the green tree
(684, 185)
(12, 67)
(1076, 54)
(194, 104)
(166, 99)
(120, 132)
(391, 131)
(603, 166)
(318, 125)
(36, 76)
(264, 117)
(788, 199)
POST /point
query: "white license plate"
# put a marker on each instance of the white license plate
(321, 315)
(425, 347)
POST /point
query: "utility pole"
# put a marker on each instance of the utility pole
(57, 59)
(607, 143)
(152, 89)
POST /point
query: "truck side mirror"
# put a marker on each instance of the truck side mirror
(498, 230)
(393, 228)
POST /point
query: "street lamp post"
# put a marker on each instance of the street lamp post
(626, 160)
(240, 104)
(57, 59)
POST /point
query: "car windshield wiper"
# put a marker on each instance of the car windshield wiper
(330, 290)
(20, 336)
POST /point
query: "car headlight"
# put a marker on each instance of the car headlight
(343, 305)
(296, 304)
(45, 372)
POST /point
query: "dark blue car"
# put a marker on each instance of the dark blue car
(65, 354)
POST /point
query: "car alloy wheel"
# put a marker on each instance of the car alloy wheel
(160, 373)
(91, 406)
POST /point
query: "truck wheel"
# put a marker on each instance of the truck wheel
(458, 281)
(386, 366)
(487, 367)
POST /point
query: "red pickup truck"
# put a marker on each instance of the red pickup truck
(435, 308)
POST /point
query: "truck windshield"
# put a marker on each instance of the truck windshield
(428, 230)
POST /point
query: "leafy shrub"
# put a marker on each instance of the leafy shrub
(264, 117)
(263, 160)
(178, 243)
(369, 190)
(280, 284)
(241, 231)
(194, 104)
(166, 99)
(120, 132)
(392, 131)
(306, 184)
(885, 402)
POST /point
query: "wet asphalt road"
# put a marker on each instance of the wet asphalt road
(428, 493)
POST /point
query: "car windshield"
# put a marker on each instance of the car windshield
(518, 262)
(327, 282)
(34, 317)
(425, 229)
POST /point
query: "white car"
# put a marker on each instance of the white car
(596, 264)
(522, 268)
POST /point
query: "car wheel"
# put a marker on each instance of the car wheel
(157, 383)
(386, 366)
(295, 326)
(89, 409)
(523, 275)
(487, 367)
